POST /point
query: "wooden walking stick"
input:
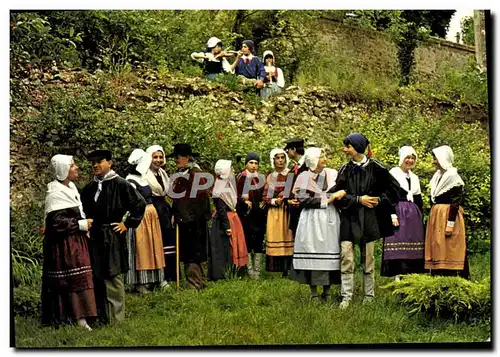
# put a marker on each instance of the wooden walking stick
(177, 277)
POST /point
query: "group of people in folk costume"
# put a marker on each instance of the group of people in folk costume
(306, 219)
(263, 74)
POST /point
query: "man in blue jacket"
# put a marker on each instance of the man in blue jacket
(248, 65)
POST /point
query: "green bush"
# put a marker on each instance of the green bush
(229, 80)
(465, 84)
(26, 270)
(447, 297)
(27, 300)
(478, 240)
(27, 244)
(33, 43)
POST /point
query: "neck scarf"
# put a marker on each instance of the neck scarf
(401, 176)
(443, 182)
(314, 182)
(188, 167)
(155, 185)
(247, 58)
(60, 196)
(109, 176)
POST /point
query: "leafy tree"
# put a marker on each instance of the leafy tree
(467, 30)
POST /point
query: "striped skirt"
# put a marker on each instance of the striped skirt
(279, 240)
(145, 247)
(403, 252)
(316, 256)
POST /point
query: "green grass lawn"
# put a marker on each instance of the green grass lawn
(270, 311)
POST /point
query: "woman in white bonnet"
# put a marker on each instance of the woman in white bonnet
(403, 252)
(213, 59)
(159, 182)
(316, 256)
(227, 249)
(67, 285)
(274, 81)
(279, 238)
(145, 247)
(445, 245)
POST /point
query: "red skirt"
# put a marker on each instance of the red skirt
(238, 244)
(67, 284)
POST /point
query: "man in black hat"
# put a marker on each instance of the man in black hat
(295, 150)
(191, 211)
(115, 206)
(250, 187)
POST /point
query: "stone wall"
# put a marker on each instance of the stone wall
(435, 51)
(376, 54)
(366, 50)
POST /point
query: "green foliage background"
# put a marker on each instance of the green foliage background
(467, 30)
(117, 40)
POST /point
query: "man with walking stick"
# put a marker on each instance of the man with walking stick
(191, 211)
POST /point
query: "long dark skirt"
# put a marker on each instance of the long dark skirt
(220, 263)
(168, 237)
(254, 226)
(67, 285)
(403, 253)
(193, 239)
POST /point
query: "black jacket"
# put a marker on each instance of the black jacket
(360, 223)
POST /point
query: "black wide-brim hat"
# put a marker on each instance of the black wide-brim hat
(99, 155)
(294, 143)
(183, 150)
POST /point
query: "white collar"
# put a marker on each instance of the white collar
(362, 162)
(248, 57)
(109, 176)
(285, 172)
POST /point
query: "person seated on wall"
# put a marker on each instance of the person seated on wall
(274, 80)
(248, 66)
(213, 59)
